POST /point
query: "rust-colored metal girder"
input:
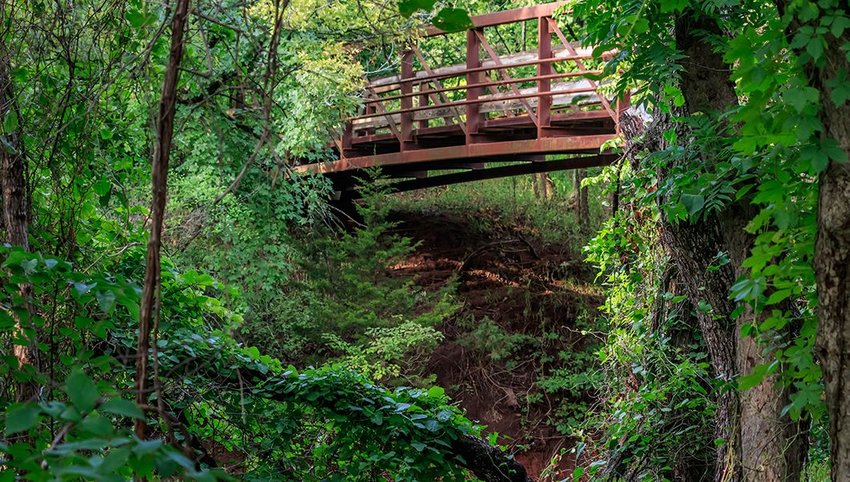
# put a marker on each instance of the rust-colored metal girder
(481, 151)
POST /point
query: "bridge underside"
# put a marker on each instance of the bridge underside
(455, 174)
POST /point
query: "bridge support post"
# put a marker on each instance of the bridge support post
(473, 61)
(407, 74)
(544, 86)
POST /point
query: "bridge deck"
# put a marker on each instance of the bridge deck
(495, 107)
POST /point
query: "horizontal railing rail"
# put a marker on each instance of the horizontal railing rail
(480, 100)
(486, 84)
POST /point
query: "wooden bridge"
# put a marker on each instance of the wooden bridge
(497, 114)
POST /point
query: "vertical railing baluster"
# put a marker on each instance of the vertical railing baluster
(544, 86)
(423, 101)
(407, 74)
(345, 143)
(473, 110)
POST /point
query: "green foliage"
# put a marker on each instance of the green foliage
(448, 19)
(490, 338)
(84, 431)
(760, 159)
(513, 202)
(656, 404)
(81, 428)
(344, 301)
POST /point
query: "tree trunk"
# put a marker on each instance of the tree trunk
(758, 443)
(159, 184)
(773, 446)
(582, 208)
(693, 248)
(832, 264)
(16, 207)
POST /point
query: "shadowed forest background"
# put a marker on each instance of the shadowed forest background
(177, 303)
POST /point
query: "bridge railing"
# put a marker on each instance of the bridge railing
(484, 91)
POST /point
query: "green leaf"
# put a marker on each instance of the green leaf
(833, 150)
(82, 391)
(102, 186)
(815, 48)
(802, 97)
(22, 418)
(670, 6)
(839, 88)
(754, 379)
(409, 7)
(839, 24)
(10, 123)
(106, 300)
(123, 408)
(136, 18)
(778, 296)
(436, 392)
(693, 203)
(816, 157)
(452, 20)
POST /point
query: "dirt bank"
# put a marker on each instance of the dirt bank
(518, 334)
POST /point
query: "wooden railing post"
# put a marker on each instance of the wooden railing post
(407, 74)
(544, 51)
(473, 60)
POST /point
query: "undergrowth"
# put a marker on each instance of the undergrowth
(512, 201)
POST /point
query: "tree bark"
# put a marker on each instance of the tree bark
(832, 263)
(582, 207)
(159, 184)
(13, 170)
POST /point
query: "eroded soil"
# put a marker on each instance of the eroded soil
(524, 303)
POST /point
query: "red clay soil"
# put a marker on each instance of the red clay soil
(528, 289)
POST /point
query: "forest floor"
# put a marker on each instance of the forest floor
(519, 357)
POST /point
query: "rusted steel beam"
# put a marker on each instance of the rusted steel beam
(547, 92)
(587, 54)
(520, 121)
(501, 171)
(407, 73)
(481, 151)
(506, 16)
(495, 58)
(492, 83)
(544, 86)
(554, 26)
(473, 76)
(442, 99)
(382, 112)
